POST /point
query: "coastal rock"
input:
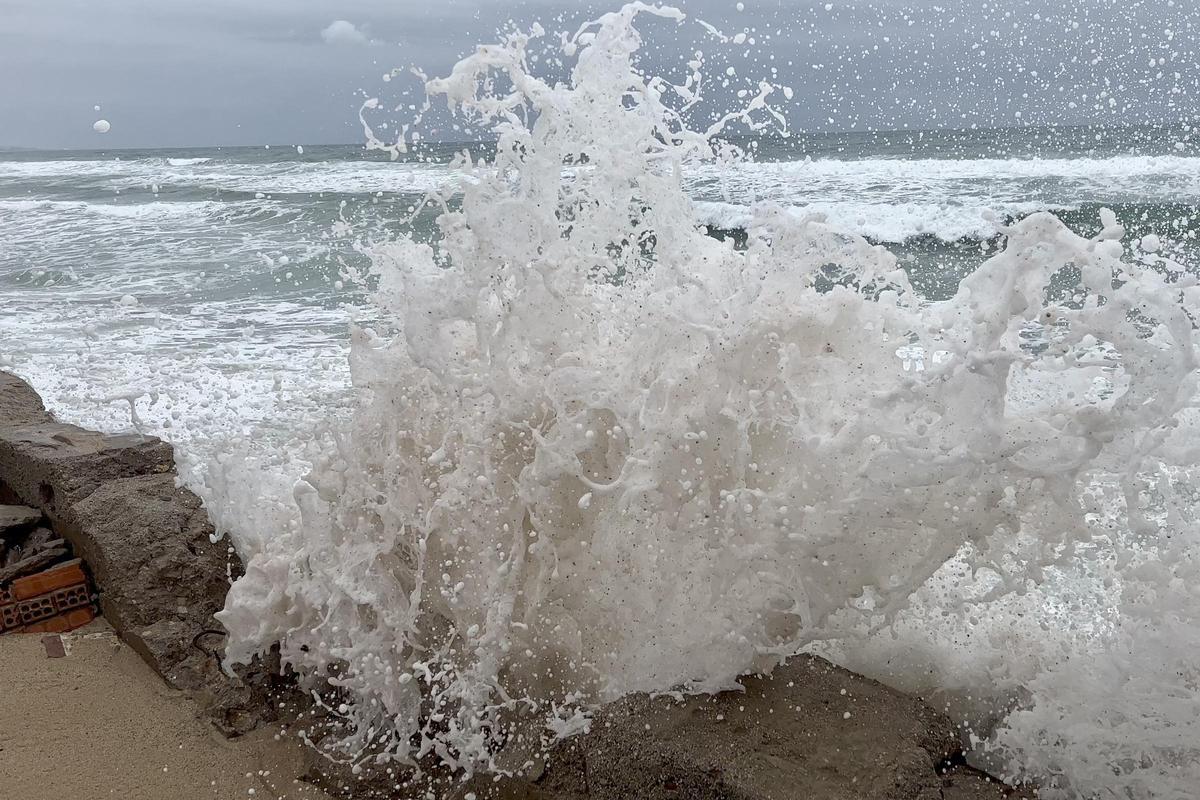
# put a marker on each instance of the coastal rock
(19, 403)
(966, 783)
(808, 730)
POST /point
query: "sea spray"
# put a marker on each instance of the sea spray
(596, 451)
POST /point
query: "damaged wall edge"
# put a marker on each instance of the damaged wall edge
(146, 541)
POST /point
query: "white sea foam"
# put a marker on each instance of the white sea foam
(204, 377)
(314, 178)
(268, 178)
(891, 222)
(851, 189)
(594, 451)
(131, 211)
(893, 200)
(1132, 171)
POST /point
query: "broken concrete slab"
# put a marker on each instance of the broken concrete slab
(18, 547)
(161, 577)
(40, 539)
(31, 563)
(51, 465)
(150, 545)
(17, 520)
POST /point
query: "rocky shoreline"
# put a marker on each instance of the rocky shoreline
(810, 730)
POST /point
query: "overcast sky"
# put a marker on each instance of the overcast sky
(219, 72)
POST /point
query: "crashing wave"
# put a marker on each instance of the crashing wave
(596, 451)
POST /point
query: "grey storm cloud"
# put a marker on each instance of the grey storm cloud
(179, 73)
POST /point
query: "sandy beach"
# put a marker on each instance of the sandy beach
(97, 723)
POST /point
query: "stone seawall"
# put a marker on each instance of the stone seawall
(112, 501)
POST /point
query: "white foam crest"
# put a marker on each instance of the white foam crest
(330, 177)
(268, 178)
(893, 200)
(892, 222)
(71, 168)
(1139, 170)
(93, 166)
(595, 451)
(129, 211)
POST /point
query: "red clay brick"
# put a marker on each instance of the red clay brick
(10, 617)
(79, 617)
(5, 596)
(36, 609)
(58, 624)
(57, 577)
(71, 597)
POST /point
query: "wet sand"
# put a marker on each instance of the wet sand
(98, 723)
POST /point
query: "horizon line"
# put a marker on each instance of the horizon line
(427, 142)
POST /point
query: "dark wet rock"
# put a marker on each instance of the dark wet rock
(786, 736)
(966, 783)
(810, 729)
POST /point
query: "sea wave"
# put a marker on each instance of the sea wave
(951, 191)
(594, 451)
(272, 178)
(919, 170)
(160, 210)
(893, 223)
(983, 182)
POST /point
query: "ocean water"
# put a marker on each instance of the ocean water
(145, 288)
(617, 405)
